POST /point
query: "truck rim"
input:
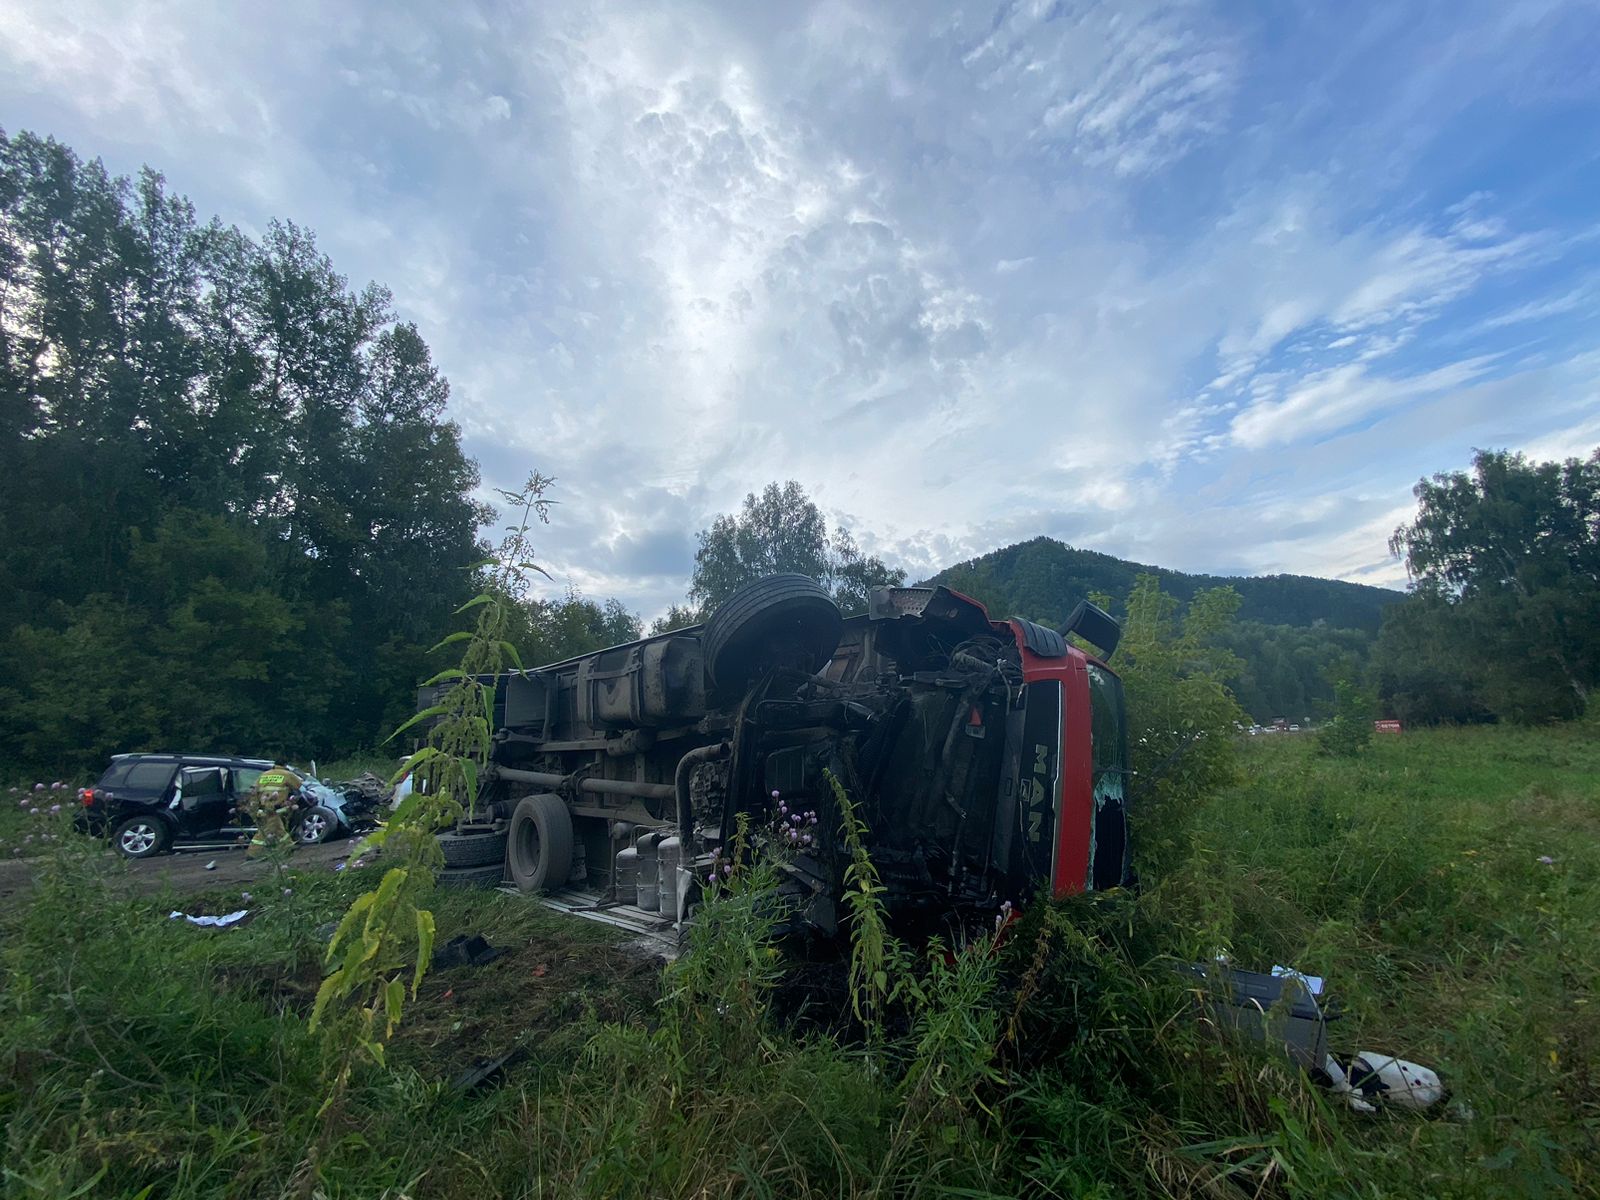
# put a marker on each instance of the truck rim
(528, 841)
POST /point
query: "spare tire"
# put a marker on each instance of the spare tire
(539, 844)
(472, 849)
(777, 621)
(471, 877)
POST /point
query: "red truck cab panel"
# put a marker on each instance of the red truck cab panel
(1074, 800)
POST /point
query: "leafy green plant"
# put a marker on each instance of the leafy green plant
(880, 964)
(1350, 730)
(1182, 717)
(716, 993)
(385, 938)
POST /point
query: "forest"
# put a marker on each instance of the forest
(236, 514)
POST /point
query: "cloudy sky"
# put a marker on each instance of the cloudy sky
(1208, 286)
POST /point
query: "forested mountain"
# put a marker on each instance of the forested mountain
(1293, 635)
(1043, 579)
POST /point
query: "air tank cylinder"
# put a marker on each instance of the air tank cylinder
(668, 852)
(646, 892)
(627, 875)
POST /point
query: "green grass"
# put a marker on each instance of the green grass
(141, 1053)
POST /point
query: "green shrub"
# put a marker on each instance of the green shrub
(1350, 731)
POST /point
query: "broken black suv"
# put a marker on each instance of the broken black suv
(148, 803)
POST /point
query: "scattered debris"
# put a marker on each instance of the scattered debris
(1283, 1009)
(1272, 1009)
(485, 1071)
(1370, 1077)
(463, 951)
(225, 921)
(212, 865)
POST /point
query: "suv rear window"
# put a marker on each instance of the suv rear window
(150, 776)
(116, 775)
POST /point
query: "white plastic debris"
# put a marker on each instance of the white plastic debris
(212, 865)
(221, 922)
(1398, 1081)
(1339, 1085)
(1372, 1078)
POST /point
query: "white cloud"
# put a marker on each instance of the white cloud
(1128, 87)
(1162, 279)
(1336, 398)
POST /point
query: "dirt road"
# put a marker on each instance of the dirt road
(186, 871)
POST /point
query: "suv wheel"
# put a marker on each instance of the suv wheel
(316, 825)
(140, 837)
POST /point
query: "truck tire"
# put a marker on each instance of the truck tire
(539, 844)
(778, 620)
(471, 877)
(472, 849)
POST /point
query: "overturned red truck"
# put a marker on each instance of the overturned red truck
(987, 758)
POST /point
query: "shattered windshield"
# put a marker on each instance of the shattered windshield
(1109, 751)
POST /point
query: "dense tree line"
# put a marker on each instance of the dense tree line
(1503, 621)
(233, 514)
(779, 531)
(1289, 671)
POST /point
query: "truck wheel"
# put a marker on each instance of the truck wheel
(472, 849)
(539, 844)
(781, 620)
(471, 877)
(141, 836)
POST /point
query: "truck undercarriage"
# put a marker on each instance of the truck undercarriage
(987, 759)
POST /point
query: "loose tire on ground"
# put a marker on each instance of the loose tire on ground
(316, 825)
(539, 844)
(471, 877)
(780, 619)
(141, 836)
(472, 849)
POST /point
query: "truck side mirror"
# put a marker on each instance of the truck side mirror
(1095, 626)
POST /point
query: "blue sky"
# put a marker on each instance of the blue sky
(1209, 286)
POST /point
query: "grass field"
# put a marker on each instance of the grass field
(142, 1057)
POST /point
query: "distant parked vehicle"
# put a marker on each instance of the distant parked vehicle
(151, 803)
